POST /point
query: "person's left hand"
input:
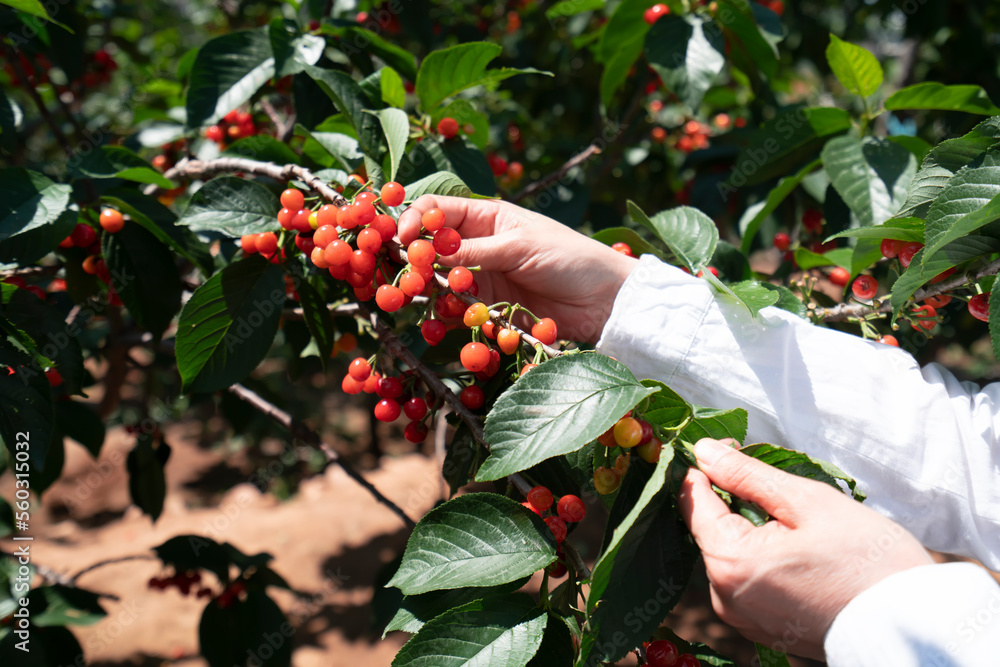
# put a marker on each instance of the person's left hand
(783, 583)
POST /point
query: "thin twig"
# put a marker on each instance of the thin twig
(302, 432)
(110, 561)
(846, 311)
(15, 62)
(282, 129)
(556, 175)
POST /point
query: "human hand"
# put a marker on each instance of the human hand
(782, 584)
(530, 259)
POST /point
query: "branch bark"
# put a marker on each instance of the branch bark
(545, 181)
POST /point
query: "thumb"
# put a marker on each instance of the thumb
(777, 492)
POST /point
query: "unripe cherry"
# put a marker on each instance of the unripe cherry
(476, 315)
(508, 340)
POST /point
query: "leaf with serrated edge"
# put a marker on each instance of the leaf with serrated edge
(686, 54)
(29, 200)
(227, 71)
(690, 234)
(233, 206)
(934, 95)
(970, 200)
(396, 127)
(479, 539)
(415, 610)
(440, 183)
(920, 271)
(856, 68)
(557, 408)
(495, 632)
(871, 175)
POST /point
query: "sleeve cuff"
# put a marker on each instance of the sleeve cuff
(933, 615)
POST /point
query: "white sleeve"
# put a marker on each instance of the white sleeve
(929, 616)
(922, 445)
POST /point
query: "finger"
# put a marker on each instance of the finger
(710, 520)
(777, 492)
(471, 217)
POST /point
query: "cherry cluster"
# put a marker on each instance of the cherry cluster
(85, 236)
(628, 433)
(569, 509)
(184, 582)
(664, 653)
(234, 125)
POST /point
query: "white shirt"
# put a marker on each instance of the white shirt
(923, 446)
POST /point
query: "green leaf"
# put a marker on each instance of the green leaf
(42, 331)
(162, 223)
(233, 206)
(994, 321)
(292, 50)
(34, 8)
(556, 409)
(690, 234)
(754, 216)
(27, 248)
(317, 318)
(396, 128)
(466, 114)
(352, 102)
(227, 636)
(769, 657)
(447, 72)
(49, 646)
(754, 295)
(341, 145)
(557, 646)
(228, 324)
(639, 245)
(227, 71)
(915, 145)
(737, 17)
(147, 483)
(78, 421)
(479, 539)
(920, 271)
(356, 40)
(970, 200)
(784, 143)
(263, 148)
(120, 162)
(807, 259)
(665, 408)
(64, 605)
(460, 157)
(687, 55)
(788, 301)
(499, 632)
(194, 552)
(934, 95)
(943, 162)
(416, 610)
(648, 559)
(572, 8)
(440, 183)
(855, 67)
(903, 229)
(29, 200)
(797, 463)
(620, 45)
(718, 424)
(871, 175)
(145, 275)
(392, 89)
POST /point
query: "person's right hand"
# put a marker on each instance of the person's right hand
(530, 259)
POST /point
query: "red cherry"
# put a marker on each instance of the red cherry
(114, 299)
(421, 253)
(362, 212)
(865, 287)
(112, 220)
(907, 252)
(889, 340)
(345, 217)
(812, 219)
(363, 262)
(571, 509)
(387, 410)
(475, 357)
(782, 241)
(326, 215)
(83, 235)
(412, 283)
(393, 194)
(248, 244)
(557, 569)
(447, 241)
(54, 377)
(979, 306)
(890, 248)
(447, 127)
(545, 331)
(433, 220)
(686, 659)
(384, 225)
(840, 276)
(300, 221)
(661, 653)
(415, 408)
(558, 528)
(653, 14)
(337, 253)
(352, 386)
(267, 243)
(286, 216)
(292, 199)
(325, 235)
(508, 340)
(926, 317)
(305, 243)
(415, 432)
(389, 298)
(938, 301)
(460, 279)
(623, 248)
(433, 331)
(540, 498)
(359, 369)
(473, 397)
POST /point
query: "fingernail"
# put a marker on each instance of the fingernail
(708, 451)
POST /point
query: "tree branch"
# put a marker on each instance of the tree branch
(282, 129)
(110, 561)
(846, 311)
(556, 175)
(15, 62)
(302, 432)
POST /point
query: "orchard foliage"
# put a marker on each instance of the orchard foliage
(240, 205)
